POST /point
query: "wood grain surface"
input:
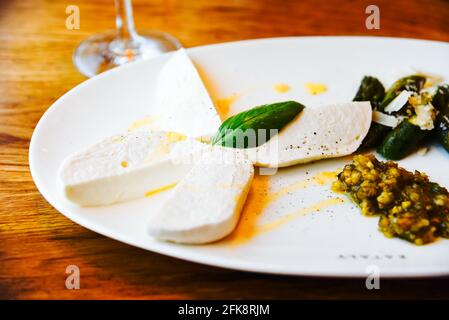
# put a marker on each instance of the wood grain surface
(37, 243)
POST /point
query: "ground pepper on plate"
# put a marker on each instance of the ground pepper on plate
(409, 205)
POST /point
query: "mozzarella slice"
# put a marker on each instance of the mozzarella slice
(125, 167)
(182, 103)
(317, 133)
(205, 206)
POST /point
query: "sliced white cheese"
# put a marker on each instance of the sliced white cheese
(125, 167)
(182, 103)
(205, 206)
(317, 133)
(399, 102)
(386, 119)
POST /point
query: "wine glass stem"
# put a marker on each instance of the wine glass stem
(125, 21)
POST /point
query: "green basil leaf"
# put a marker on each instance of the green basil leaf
(256, 126)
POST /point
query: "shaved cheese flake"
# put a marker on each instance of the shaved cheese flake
(385, 119)
(398, 102)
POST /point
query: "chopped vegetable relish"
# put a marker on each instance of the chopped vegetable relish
(409, 205)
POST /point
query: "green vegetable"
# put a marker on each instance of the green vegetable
(370, 89)
(411, 83)
(374, 136)
(441, 102)
(254, 127)
(409, 205)
(401, 141)
(377, 131)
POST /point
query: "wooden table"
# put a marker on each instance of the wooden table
(37, 243)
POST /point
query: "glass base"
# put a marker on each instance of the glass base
(102, 52)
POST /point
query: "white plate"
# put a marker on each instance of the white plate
(337, 241)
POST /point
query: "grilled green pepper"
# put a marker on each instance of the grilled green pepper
(410, 83)
(243, 129)
(379, 132)
(374, 136)
(441, 102)
(401, 141)
(370, 89)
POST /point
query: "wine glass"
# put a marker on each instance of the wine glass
(111, 49)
